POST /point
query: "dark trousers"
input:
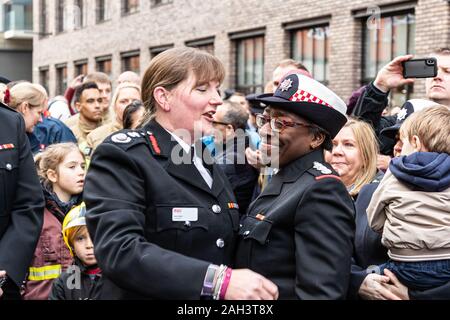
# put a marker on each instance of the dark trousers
(420, 275)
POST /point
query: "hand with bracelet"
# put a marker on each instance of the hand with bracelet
(221, 282)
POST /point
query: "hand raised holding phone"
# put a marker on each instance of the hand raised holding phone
(391, 75)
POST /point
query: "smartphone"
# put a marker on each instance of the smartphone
(420, 68)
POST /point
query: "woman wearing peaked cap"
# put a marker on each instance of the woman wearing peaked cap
(298, 233)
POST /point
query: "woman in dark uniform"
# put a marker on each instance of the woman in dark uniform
(21, 203)
(299, 231)
(164, 221)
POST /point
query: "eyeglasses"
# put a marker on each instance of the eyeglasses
(220, 123)
(278, 125)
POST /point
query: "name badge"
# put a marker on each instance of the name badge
(184, 214)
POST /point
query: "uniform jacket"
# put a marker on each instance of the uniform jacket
(51, 256)
(138, 200)
(72, 121)
(412, 207)
(98, 135)
(89, 283)
(21, 198)
(80, 128)
(299, 231)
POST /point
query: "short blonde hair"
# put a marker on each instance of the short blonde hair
(172, 67)
(32, 93)
(367, 144)
(432, 126)
(121, 86)
(97, 77)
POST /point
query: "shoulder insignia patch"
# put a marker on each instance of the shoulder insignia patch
(127, 139)
(120, 138)
(134, 134)
(321, 168)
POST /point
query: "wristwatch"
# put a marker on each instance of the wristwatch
(208, 283)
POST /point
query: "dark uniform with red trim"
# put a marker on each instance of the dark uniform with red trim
(299, 232)
(156, 225)
(21, 201)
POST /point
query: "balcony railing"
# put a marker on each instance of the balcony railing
(18, 19)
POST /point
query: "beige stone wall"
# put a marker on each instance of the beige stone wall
(185, 20)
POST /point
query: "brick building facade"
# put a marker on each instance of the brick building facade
(16, 39)
(334, 36)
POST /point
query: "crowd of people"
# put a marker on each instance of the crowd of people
(162, 188)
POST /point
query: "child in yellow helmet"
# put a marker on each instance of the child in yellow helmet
(82, 280)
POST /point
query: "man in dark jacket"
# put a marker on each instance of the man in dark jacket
(231, 141)
(375, 97)
(21, 202)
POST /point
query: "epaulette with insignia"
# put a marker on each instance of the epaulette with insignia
(127, 139)
(320, 171)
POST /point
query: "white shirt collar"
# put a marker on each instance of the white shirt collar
(206, 175)
(182, 143)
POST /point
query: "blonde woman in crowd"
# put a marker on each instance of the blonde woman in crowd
(30, 100)
(354, 155)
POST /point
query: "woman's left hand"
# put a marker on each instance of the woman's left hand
(395, 286)
(383, 162)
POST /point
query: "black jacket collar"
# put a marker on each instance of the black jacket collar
(185, 171)
(292, 172)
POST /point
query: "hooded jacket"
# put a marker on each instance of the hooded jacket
(49, 131)
(51, 256)
(412, 207)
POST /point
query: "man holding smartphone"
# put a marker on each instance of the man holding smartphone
(437, 88)
(375, 97)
